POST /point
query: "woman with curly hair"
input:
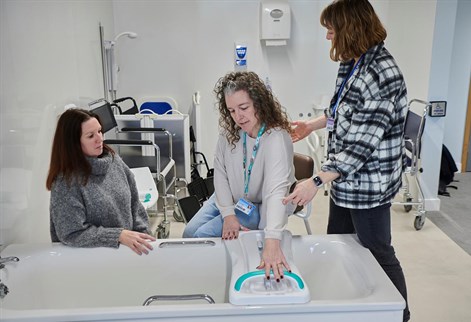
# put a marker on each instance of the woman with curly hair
(253, 168)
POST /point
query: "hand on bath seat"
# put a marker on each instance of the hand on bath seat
(273, 259)
(138, 242)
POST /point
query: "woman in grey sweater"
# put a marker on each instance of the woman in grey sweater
(94, 198)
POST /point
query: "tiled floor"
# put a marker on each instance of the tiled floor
(438, 272)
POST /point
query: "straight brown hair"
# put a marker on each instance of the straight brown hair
(67, 157)
(356, 26)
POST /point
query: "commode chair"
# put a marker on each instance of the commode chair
(162, 112)
(413, 131)
(137, 150)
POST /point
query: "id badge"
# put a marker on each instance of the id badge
(330, 124)
(245, 206)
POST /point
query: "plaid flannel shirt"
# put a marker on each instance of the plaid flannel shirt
(366, 144)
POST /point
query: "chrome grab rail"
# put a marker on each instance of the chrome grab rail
(4, 260)
(187, 297)
(189, 243)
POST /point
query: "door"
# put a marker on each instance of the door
(466, 157)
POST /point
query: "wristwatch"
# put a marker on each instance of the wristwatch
(318, 181)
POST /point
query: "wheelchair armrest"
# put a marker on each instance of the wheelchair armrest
(132, 110)
(129, 142)
(151, 130)
(122, 99)
(142, 129)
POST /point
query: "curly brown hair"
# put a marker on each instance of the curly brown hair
(267, 107)
(356, 26)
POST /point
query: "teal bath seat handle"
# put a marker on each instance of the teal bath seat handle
(248, 275)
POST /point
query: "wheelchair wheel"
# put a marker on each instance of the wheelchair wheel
(161, 234)
(163, 230)
(408, 208)
(177, 216)
(419, 222)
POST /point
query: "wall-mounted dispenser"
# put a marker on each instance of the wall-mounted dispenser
(240, 56)
(275, 22)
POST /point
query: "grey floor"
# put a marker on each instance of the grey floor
(437, 268)
(454, 217)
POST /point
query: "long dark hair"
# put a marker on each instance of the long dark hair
(67, 158)
(267, 108)
(356, 26)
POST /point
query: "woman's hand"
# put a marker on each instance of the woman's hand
(231, 227)
(301, 129)
(273, 259)
(138, 242)
(302, 194)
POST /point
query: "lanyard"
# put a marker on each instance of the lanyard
(343, 85)
(252, 159)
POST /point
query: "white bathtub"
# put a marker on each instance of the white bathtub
(52, 282)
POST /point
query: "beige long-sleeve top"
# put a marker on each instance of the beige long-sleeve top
(272, 175)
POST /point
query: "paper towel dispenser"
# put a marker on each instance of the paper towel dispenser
(275, 22)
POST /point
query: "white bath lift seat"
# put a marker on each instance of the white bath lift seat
(250, 287)
(148, 193)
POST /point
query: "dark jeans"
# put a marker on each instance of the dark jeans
(373, 228)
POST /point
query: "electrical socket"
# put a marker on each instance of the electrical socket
(308, 114)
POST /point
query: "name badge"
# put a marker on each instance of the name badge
(245, 206)
(330, 124)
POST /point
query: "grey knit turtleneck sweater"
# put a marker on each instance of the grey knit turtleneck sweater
(95, 214)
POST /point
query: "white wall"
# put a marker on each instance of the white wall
(185, 46)
(459, 78)
(301, 72)
(50, 55)
(438, 83)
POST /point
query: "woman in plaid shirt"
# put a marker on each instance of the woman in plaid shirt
(365, 124)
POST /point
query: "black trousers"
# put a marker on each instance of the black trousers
(373, 228)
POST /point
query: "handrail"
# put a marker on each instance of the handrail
(189, 243)
(4, 260)
(249, 275)
(185, 297)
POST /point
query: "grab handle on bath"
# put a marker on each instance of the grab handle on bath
(187, 243)
(187, 297)
(4, 260)
(248, 275)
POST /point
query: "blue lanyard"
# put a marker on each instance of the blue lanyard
(343, 85)
(252, 159)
